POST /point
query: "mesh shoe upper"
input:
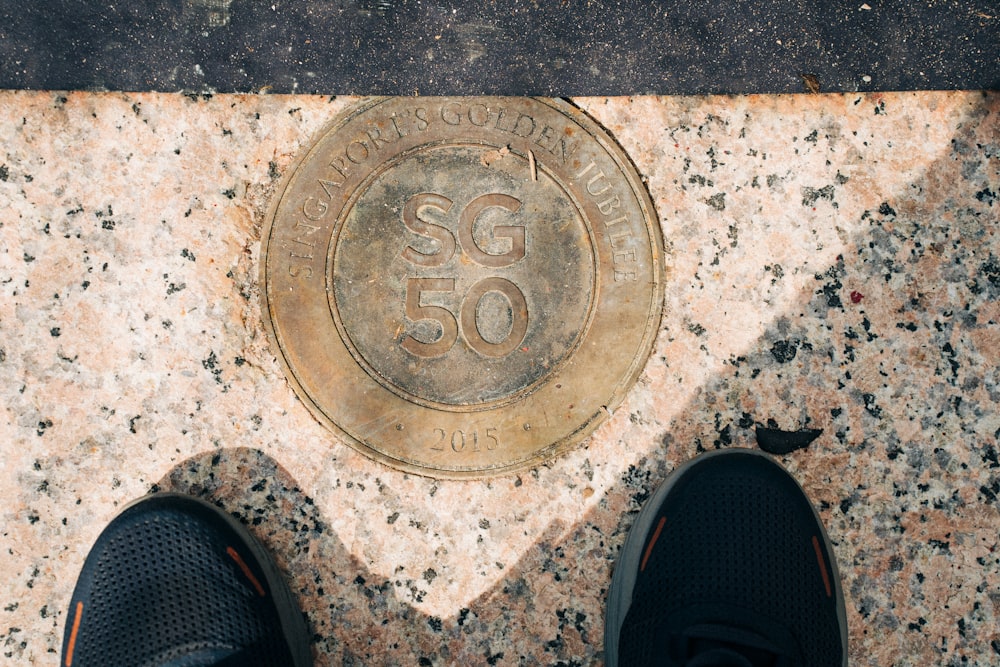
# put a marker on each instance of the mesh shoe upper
(734, 560)
(173, 581)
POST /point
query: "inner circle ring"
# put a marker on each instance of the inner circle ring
(380, 376)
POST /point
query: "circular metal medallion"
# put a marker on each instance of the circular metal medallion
(462, 286)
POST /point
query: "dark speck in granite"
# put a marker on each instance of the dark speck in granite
(776, 441)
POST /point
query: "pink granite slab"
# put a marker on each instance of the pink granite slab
(832, 263)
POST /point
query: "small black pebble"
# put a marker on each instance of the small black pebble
(776, 441)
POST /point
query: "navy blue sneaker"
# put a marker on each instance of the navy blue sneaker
(175, 582)
(727, 564)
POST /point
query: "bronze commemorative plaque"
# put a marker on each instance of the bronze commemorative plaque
(462, 286)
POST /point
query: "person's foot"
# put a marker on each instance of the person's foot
(727, 564)
(174, 581)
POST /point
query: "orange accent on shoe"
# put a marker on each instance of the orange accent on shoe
(822, 567)
(246, 570)
(73, 633)
(649, 549)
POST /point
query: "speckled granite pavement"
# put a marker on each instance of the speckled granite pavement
(833, 262)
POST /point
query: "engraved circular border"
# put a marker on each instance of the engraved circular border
(513, 397)
(306, 382)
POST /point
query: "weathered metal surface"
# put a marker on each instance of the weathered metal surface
(462, 286)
